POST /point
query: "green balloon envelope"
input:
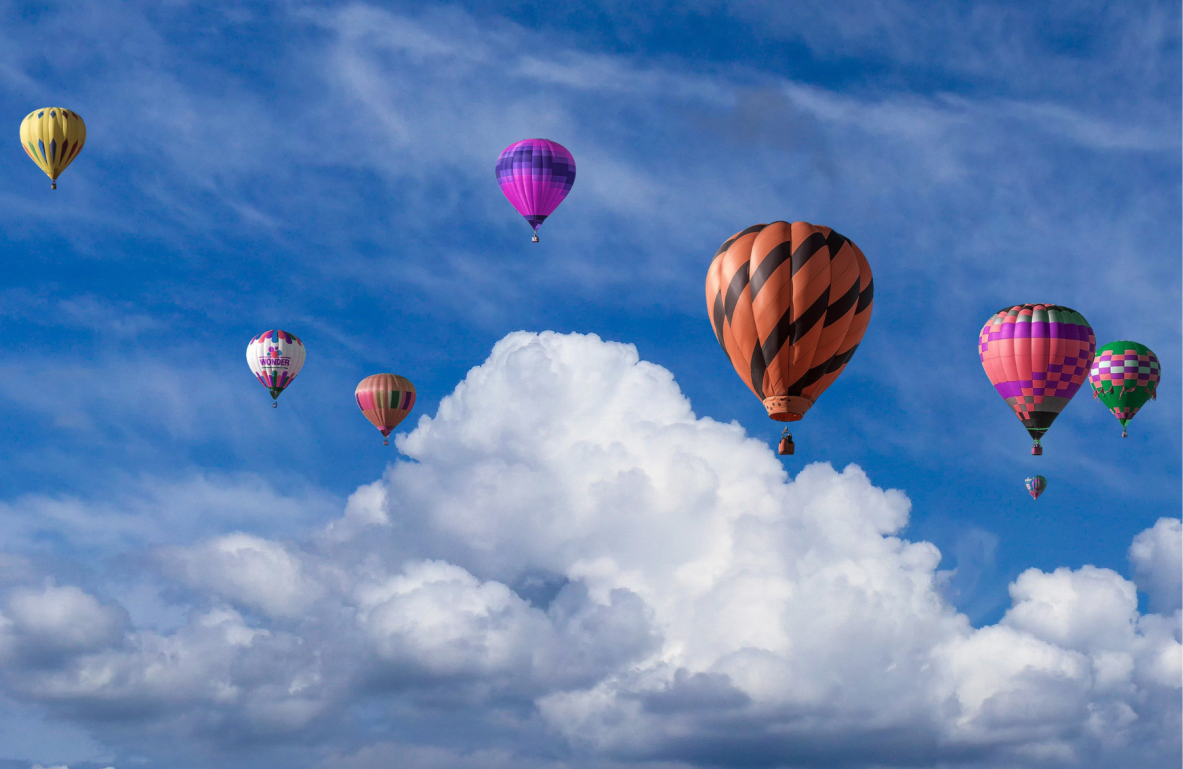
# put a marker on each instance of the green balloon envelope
(1124, 376)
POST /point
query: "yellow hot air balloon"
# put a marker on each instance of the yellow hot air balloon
(53, 137)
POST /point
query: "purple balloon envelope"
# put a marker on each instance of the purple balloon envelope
(535, 175)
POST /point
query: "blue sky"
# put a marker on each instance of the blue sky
(328, 169)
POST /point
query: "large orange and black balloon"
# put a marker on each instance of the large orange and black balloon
(789, 304)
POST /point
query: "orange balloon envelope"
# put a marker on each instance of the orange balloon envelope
(789, 304)
(386, 400)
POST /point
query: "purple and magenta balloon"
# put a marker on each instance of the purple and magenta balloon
(535, 175)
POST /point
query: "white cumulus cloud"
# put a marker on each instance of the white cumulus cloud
(249, 570)
(570, 562)
(1157, 558)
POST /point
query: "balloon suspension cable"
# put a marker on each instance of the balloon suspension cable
(535, 238)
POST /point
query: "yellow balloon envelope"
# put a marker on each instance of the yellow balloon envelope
(53, 137)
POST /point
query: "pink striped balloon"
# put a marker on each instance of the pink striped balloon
(385, 400)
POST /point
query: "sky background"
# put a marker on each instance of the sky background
(328, 168)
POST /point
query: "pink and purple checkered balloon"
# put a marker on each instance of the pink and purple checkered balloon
(535, 175)
(1037, 356)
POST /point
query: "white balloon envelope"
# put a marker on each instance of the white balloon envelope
(275, 358)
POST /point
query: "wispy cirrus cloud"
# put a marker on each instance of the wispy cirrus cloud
(361, 188)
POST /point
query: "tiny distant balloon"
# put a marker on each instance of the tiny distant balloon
(535, 175)
(1036, 485)
(275, 358)
(385, 400)
(1037, 356)
(1124, 376)
(53, 137)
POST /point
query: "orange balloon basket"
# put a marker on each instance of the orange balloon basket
(786, 443)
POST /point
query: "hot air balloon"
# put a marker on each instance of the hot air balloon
(1036, 485)
(386, 400)
(275, 357)
(1124, 376)
(52, 137)
(789, 304)
(535, 175)
(1037, 357)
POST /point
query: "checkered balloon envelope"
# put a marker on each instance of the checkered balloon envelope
(1037, 356)
(1124, 376)
(535, 176)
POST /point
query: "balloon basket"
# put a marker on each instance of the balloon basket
(274, 404)
(53, 185)
(535, 238)
(786, 443)
(1037, 451)
(385, 442)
